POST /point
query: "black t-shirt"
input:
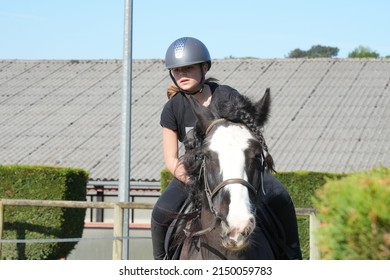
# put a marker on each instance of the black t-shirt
(178, 114)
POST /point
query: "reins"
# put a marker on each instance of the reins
(212, 124)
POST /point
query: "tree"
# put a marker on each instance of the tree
(314, 52)
(297, 53)
(322, 51)
(361, 51)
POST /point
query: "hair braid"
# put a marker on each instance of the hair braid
(250, 121)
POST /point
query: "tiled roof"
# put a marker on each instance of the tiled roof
(327, 114)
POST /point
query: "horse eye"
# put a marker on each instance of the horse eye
(199, 157)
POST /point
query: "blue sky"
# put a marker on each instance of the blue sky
(93, 29)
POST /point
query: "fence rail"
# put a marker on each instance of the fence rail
(117, 206)
(118, 218)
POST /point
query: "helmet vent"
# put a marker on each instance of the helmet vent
(179, 47)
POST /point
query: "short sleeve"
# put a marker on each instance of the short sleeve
(168, 119)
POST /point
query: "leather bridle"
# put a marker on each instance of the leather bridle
(210, 194)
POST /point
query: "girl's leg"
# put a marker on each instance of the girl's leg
(279, 200)
(164, 212)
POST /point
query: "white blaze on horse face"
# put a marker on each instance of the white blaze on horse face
(230, 143)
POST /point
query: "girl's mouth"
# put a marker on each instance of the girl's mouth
(183, 81)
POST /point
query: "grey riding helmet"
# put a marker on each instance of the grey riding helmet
(186, 51)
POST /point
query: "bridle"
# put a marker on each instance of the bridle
(210, 194)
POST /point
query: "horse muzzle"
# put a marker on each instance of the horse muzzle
(237, 238)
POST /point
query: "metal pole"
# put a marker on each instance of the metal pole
(125, 148)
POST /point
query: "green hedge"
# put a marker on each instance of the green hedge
(301, 185)
(355, 217)
(165, 178)
(28, 222)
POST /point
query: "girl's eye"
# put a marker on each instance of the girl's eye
(184, 69)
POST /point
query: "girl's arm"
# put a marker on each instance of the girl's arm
(171, 155)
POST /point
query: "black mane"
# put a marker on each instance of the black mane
(228, 104)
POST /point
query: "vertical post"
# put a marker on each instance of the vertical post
(1, 225)
(99, 198)
(118, 230)
(132, 209)
(314, 224)
(125, 148)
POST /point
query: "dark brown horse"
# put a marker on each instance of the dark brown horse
(226, 160)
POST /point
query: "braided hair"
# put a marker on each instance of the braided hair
(235, 107)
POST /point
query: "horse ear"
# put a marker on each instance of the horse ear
(263, 108)
(202, 113)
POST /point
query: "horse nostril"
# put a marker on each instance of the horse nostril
(252, 222)
(250, 227)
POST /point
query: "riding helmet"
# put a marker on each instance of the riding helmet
(186, 51)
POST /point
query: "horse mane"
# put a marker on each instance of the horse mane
(239, 108)
(228, 104)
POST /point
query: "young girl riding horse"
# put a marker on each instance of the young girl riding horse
(188, 61)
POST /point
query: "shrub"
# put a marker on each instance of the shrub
(355, 216)
(301, 186)
(363, 52)
(166, 177)
(28, 222)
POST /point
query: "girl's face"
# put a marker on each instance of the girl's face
(188, 77)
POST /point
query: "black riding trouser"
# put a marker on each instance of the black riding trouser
(168, 204)
(172, 199)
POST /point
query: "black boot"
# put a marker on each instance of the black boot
(158, 238)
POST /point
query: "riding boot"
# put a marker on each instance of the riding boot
(158, 238)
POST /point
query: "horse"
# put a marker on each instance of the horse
(225, 161)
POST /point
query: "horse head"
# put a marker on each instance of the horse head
(232, 157)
